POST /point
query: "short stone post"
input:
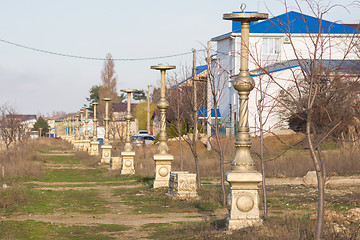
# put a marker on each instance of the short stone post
(182, 185)
(106, 147)
(94, 144)
(162, 157)
(128, 154)
(243, 199)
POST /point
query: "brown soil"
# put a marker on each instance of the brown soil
(120, 213)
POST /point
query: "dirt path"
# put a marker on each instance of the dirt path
(118, 212)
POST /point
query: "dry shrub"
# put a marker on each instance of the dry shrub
(292, 164)
(286, 227)
(342, 161)
(25, 161)
(295, 162)
(53, 144)
(87, 159)
(12, 195)
(144, 163)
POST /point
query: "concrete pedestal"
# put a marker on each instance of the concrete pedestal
(86, 145)
(182, 185)
(94, 148)
(76, 145)
(162, 169)
(128, 163)
(243, 199)
(106, 154)
(115, 163)
(80, 145)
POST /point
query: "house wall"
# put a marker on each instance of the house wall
(333, 46)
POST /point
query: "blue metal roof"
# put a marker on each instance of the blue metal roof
(200, 69)
(328, 65)
(294, 22)
(203, 113)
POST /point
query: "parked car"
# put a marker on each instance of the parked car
(149, 139)
(137, 140)
(142, 133)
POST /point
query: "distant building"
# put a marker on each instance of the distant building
(270, 47)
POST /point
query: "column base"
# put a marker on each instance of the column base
(106, 154)
(233, 224)
(243, 199)
(80, 145)
(86, 145)
(94, 148)
(128, 163)
(162, 170)
(115, 163)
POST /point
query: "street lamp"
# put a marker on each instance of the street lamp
(106, 147)
(87, 139)
(162, 157)
(128, 154)
(81, 140)
(94, 144)
(243, 199)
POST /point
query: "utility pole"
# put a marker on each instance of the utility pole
(208, 102)
(148, 110)
(195, 133)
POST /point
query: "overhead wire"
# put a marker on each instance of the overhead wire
(95, 58)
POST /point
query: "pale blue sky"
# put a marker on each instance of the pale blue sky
(36, 82)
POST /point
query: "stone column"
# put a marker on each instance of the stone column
(128, 154)
(243, 199)
(81, 134)
(94, 144)
(87, 139)
(72, 129)
(106, 147)
(77, 132)
(162, 157)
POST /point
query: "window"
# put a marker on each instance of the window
(271, 46)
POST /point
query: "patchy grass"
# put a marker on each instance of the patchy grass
(62, 159)
(41, 230)
(291, 226)
(14, 195)
(81, 175)
(147, 201)
(47, 201)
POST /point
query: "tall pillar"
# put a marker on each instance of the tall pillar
(106, 147)
(243, 199)
(77, 132)
(87, 139)
(94, 144)
(162, 157)
(128, 154)
(81, 133)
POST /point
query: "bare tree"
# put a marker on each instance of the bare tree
(107, 89)
(9, 127)
(182, 112)
(320, 89)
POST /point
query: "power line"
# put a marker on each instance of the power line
(93, 58)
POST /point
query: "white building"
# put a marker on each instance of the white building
(274, 43)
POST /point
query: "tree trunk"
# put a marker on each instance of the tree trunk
(320, 177)
(262, 163)
(221, 161)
